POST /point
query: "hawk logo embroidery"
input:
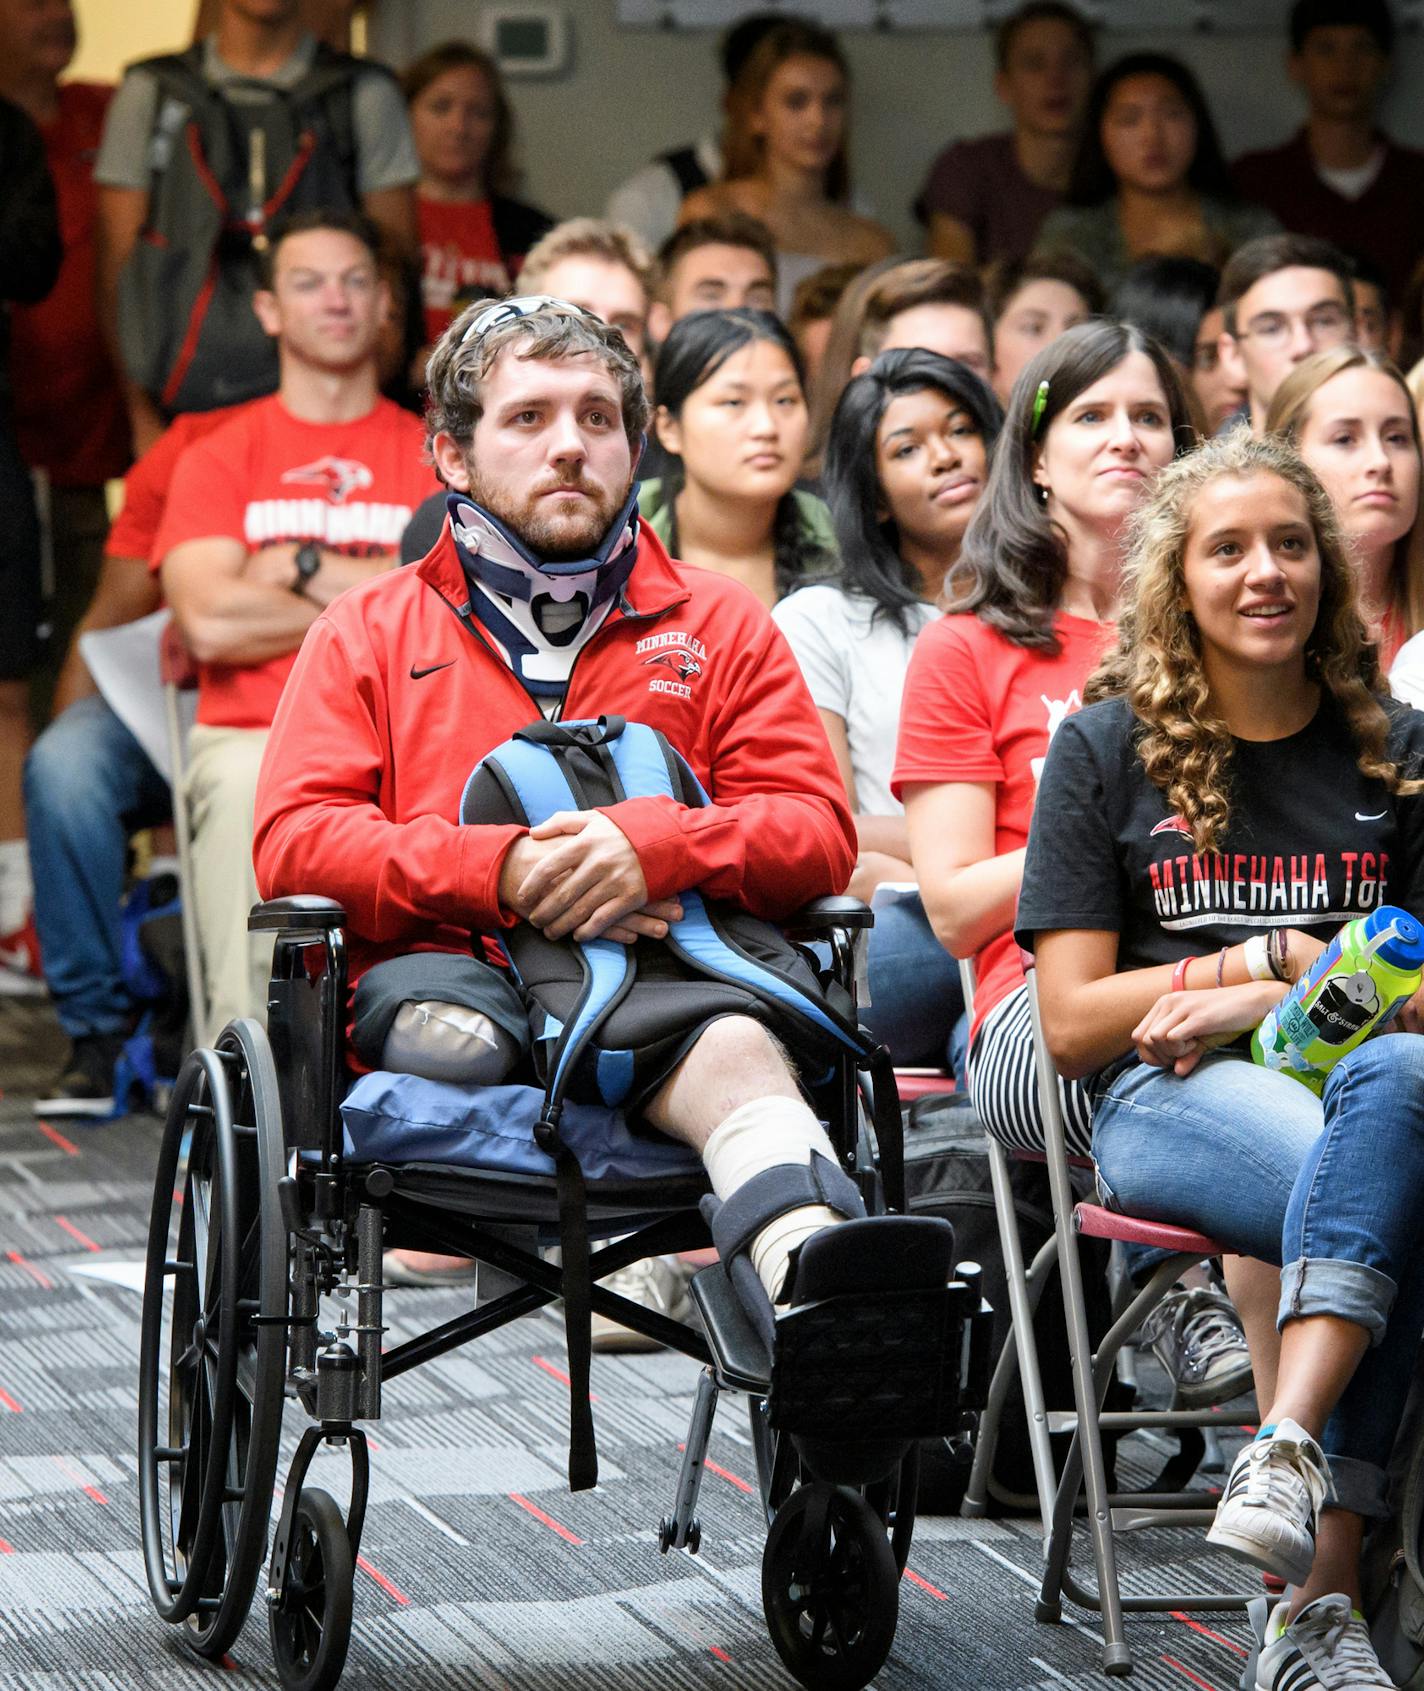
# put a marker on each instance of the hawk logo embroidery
(1172, 825)
(680, 661)
(338, 476)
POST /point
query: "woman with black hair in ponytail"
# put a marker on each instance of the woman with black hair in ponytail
(731, 412)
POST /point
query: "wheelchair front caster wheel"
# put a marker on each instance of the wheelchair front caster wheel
(830, 1588)
(310, 1621)
(694, 1537)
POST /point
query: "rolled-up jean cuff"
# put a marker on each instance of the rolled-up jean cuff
(1353, 1291)
(1361, 1487)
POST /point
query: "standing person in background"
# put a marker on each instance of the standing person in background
(785, 157)
(183, 343)
(1030, 303)
(906, 464)
(649, 200)
(731, 415)
(70, 417)
(1282, 298)
(1341, 177)
(1149, 177)
(1351, 418)
(985, 199)
(29, 264)
(473, 236)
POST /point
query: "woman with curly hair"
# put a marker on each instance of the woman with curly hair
(1241, 787)
(732, 417)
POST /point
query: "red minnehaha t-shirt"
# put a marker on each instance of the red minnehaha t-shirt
(70, 416)
(979, 708)
(462, 260)
(266, 477)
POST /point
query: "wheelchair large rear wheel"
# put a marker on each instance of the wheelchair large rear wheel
(213, 1340)
(830, 1588)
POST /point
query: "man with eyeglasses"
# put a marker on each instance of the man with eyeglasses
(1282, 298)
(546, 596)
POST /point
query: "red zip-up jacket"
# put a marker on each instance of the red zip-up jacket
(395, 698)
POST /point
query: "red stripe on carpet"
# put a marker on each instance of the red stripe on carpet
(925, 1585)
(1206, 1632)
(10, 1402)
(548, 1520)
(35, 1274)
(721, 1655)
(55, 1137)
(390, 1588)
(558, 1374)
(74, 1233)
(1196, 1678)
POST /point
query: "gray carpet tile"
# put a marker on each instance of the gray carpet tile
(478, 1568)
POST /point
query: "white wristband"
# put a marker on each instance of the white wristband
(1258, 958)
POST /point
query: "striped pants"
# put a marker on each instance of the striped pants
(1004, 1085)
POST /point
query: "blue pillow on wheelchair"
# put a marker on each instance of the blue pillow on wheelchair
(402, 1118)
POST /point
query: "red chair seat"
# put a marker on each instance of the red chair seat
(923, 1083)
(1099, 1223)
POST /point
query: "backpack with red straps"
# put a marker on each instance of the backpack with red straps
(225, 163)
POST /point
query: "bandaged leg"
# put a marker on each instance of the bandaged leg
(758, 1146)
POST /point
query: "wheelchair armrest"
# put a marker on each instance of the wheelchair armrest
(816, 919)
(301, 911)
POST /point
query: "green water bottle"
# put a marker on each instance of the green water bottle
(1355, 985)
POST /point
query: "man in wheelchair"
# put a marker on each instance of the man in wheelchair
(546, 601)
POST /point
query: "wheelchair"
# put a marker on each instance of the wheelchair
(261, 1222)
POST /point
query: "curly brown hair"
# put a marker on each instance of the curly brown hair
(1183, 743)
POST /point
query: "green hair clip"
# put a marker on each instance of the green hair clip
(1040, 405)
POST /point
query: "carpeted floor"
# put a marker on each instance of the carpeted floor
(478, 1568)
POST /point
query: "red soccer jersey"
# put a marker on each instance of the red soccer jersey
(70, 417)
(462, 260)
(266, 477)
(979, 708)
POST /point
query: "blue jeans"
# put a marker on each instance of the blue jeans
(916, 1005)
(1330, 1188)
(88, 786)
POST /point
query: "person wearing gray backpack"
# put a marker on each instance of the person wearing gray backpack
(202, 151)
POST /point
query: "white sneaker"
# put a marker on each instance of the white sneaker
(1268, 1510)
(658, 1283)
(1325, 1648)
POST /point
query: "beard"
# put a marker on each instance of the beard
(556, 537)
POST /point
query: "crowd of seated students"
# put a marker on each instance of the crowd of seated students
(955, 480)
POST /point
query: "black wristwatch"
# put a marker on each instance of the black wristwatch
(308, 562)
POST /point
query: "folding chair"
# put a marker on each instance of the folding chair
(1092, 1370)
(180, 675)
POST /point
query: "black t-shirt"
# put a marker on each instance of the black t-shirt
(1311, 842)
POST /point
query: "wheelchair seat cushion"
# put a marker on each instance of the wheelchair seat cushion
(401, 1118)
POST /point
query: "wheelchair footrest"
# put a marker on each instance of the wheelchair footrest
(882, 1365)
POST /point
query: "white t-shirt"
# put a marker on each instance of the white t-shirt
(855, 666)
(1406, 675)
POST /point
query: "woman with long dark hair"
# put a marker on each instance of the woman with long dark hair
(1201, 833)
(784, 156)
(732, 416)
(906, 464)
(1092, 420)
(1149, 177)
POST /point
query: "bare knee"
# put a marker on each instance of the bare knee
(733, 1061)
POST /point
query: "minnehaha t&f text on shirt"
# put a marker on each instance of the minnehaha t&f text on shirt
(265, 478)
